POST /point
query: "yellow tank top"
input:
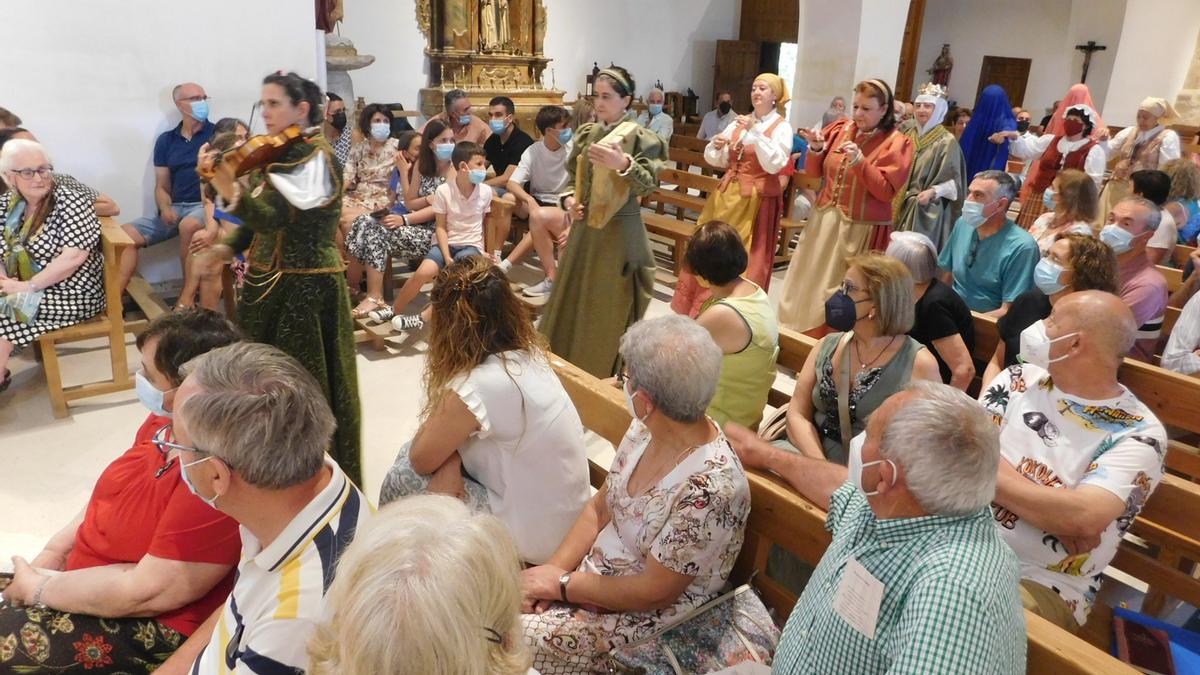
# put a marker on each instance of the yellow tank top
(747, 376)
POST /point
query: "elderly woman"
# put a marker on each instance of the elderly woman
(1148, 144)
(1070, 203)
(496, 410)
(1074, 262)
(426, 588)
(50, 262)
(941, 320)
(654, 118)
(1183, 199)
(661, 536)
(104, 205)
(145, 563)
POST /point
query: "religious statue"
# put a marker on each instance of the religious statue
(942, 66)
(502, 10)
(329, 13)
(489, 37)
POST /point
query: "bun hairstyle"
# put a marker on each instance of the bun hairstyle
(300, 90)
(881, 92)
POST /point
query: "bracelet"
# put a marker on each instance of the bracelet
(37, 595)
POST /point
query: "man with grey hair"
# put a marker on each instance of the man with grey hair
(252, 428)
(917, 578)
(1129, 228)
(988, 259)
(457, 114)
(1081, 453)
(654, 118)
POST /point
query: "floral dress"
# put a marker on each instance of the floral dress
(372, 244)
(692, 521)
(366, 175)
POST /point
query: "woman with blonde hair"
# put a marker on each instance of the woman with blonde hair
(1183, 200)
(426, 588)
(1071, 204)
(496, 411)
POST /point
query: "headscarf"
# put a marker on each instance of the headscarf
(940, 106)
(1159, 107)
(1078, 93)
(993, 113)
(778, 87)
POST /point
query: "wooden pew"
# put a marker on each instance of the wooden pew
(788, 226)
(678, 229)
(686, 128)
(1180, 255)
(1173, 275)
(686, 159)
(690, 143)
(782, 517)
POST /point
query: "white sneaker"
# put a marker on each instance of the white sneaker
(504, 265)
(539, 290)
(405, 322)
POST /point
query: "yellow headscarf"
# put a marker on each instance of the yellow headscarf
(778, 87)
(1159, 107)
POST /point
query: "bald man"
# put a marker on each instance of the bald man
(1081, 454)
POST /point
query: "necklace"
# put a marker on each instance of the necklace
(662, 470)
(864, 365)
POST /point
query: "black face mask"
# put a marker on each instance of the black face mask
(1022, 125)
(724, 107)
(339, 120)
(841, 312)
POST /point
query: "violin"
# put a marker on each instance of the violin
(256, 152)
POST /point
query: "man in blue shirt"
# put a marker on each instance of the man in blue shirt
(988, 259)
(176, 183)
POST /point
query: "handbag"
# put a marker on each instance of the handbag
(730, 629)
(774, 428)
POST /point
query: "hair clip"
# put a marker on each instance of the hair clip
(494, 636)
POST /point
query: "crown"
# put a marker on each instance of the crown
(930, 89)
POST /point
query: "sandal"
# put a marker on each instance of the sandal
(365, 308)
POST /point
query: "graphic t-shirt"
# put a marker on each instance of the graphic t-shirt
(1066, 442)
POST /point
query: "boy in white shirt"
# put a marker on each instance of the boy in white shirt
(459, 206)
(544, 167)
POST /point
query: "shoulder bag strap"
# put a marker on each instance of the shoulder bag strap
(843, 390)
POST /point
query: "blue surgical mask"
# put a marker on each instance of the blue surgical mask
(191, 486)
(200, 110)
(972, 214)
(464, 120)
(1117, 238)
(1050, 200)
(565, 136)
(477, 176)
(655, 108)
(443, 151)
(1046, 276)
(498, 126)
(149, 395)
(380, 130)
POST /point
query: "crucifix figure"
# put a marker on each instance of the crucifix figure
(1087, 50)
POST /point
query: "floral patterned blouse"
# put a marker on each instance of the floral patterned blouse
(368, 170)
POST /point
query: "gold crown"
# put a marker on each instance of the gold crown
(931, 89)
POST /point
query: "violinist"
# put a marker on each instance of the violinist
(294, 296)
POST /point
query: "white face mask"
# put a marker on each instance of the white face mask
(1035, 345)
(855, 466)
(187, 480)
(629, 403)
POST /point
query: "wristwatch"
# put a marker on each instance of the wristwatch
(562, 585)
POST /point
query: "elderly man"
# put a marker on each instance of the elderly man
(715, 121)
(176, 183)
(252, 428)
(654, 118)
(988, 259)
(917, 578)
(1131, 225)
(1081, 453)
(466, 127)
(335, 127)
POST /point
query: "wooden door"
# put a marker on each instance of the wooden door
(1010, 73)
(737, 64)
(908, 51)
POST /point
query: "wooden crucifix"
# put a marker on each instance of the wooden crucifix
(1087, 50)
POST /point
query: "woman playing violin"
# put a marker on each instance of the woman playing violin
(295, 295)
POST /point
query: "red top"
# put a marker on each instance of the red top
(134, 511)
(863, 192)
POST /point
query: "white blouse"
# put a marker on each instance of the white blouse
(1168, 151)
(1031, 148)
(773, 151)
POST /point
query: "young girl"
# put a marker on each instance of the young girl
(218, 225)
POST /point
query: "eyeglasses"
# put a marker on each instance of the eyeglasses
(40, 172)
(194, 99)
(160, 441)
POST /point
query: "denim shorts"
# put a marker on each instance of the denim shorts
(153, 229)
(456, 252)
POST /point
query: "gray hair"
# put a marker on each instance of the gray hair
(949, 448)
(452, 96)
(260, 412)
(917, 253)
(656, 90)
(675, 362)
(16, 146)
(1153, 213)
(1006, 187)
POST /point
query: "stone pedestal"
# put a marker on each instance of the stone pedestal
(340, 58)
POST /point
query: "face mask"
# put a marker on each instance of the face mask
(1048, 200)
(655, 108)
(724, 107)
(443, 151)
(191, 486)
(477, 176)
(1035, 345)
(200, 110)
(498, 126)
(1022, 126)
(841, 312)
(629, 403)
(1046, 275)
(464, 120)
(972, 214)
(1072, 127)
(380, 130)
(565, 136)
(855, 466)
(149, 395)
(338, 120)
(1117, 238)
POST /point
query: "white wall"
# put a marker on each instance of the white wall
(880, 38)
(1099, 20)
(671, 40)
(93, 80)
(1157, 43)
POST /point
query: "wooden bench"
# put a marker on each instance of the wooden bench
(686, 128)
(109, 323)
(1181, 254)
(689, 143)
(686, 159)
(678, 229)
(787, 226)
(780, 516)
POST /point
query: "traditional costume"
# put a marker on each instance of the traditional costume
(750, 196)
(937, 165)
(606, 274)
(853, 213)
(1138, 150)
(993, 114)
